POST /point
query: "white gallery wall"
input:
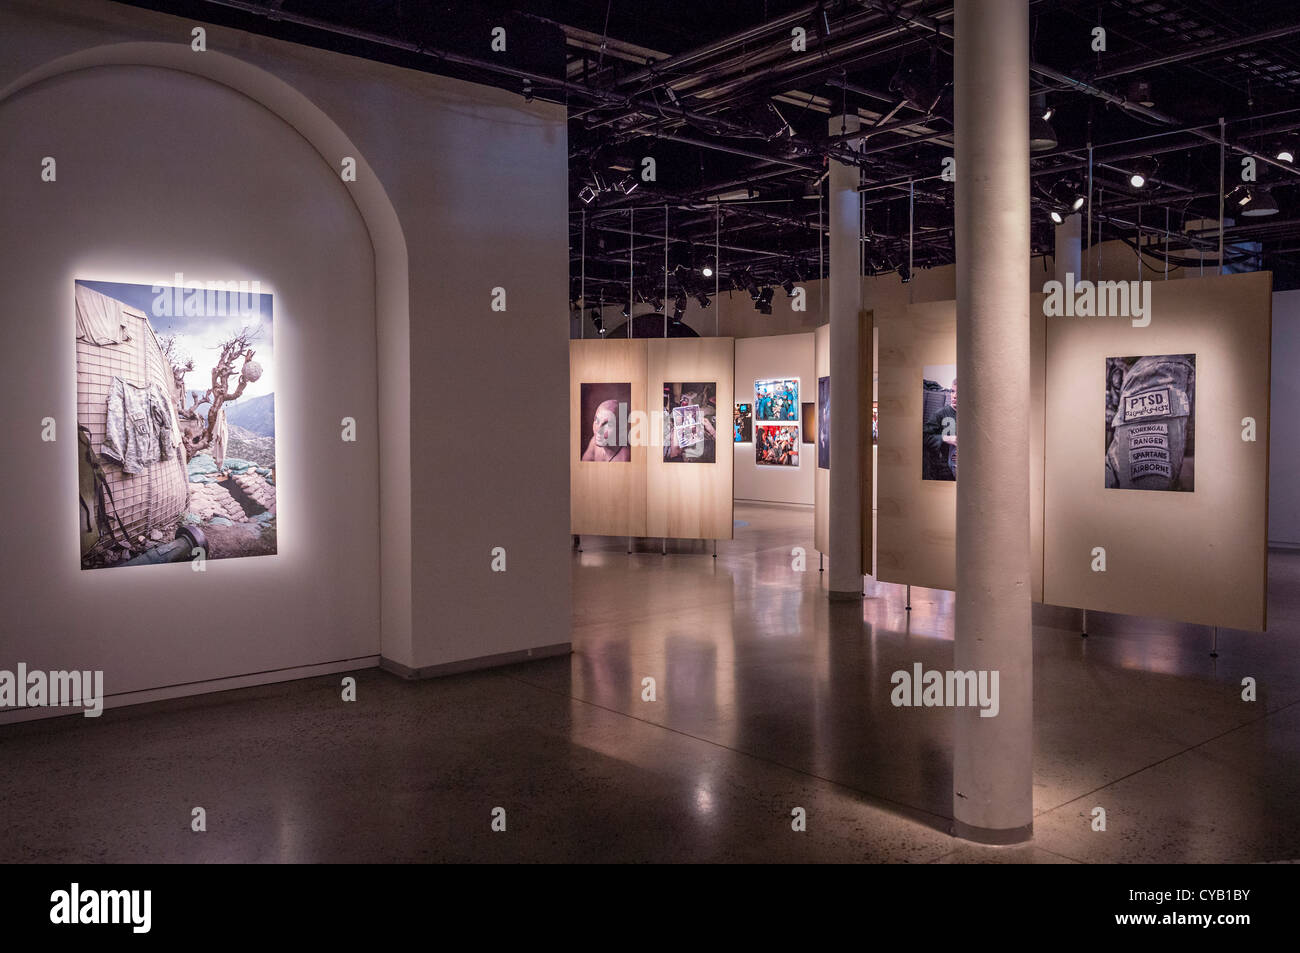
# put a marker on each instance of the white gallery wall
(226, 168)
(784, 355)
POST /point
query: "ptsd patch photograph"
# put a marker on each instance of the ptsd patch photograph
(776, 400)
(939, 422)
(175, 422)
(824, 423)
(602, 422)
(776, 445)
(690, 423)
(742, 419)
(1151, 422)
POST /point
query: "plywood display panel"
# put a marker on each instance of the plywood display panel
(691, 500)
(607, 499)
(916, 528)
(821, 478)
(866, 447)
(1198, 556)
(768, 358)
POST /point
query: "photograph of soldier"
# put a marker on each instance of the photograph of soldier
(824, 423)
(776, 446)
(939, 422)
(743, 422)
(690, 422)
(1151, 422)
(602, 422)
(777, 399)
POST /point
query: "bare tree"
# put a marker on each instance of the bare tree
(200, 414)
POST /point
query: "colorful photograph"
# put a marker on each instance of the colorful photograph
(776, 445)
(743, 423)
(602, 422)
(939, 422)
(175, 422)
(690, 423)
(776, 400)
(1151, 423)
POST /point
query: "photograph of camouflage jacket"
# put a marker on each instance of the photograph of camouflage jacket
(138, 428)
(1149, 444)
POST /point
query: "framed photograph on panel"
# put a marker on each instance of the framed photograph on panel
(1151, 423)
(824, 423)
(939, 422)
(875, 422)
(777, 400)
(690, 422)
(776, 445)
(602, 424)
(743, 422)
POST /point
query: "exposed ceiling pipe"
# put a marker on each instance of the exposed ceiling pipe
(690, 57)
(1200, 52)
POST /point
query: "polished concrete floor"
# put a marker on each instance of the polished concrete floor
(768, 698)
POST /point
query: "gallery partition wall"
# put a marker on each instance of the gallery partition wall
(134, 161)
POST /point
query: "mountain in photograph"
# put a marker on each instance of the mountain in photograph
(256, 414)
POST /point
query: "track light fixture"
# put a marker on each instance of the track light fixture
(904, 272)
(788, 287)
(1042, 136)
(1141, 171)
(763, 302)
(1286, 150)
(679, 308)
(919, 85)
(707, 269)
(1253, 202)
(588, 194)
(1139, 92)
(597, 321)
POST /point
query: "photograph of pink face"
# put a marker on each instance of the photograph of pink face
(600, 430)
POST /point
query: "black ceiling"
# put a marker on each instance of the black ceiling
(712, 91)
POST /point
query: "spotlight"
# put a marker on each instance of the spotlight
(1285, 150)
(763, 302)
(1067, 198)
(679, 308)
(1261, 203)
(707, 270)
(813, 187)
(788, 286)
(1042, 136)
(588, 194)
(702, 298)
(1142, 170)
(1285, 154)
(597, 321)
(627, 310)
(657, 303)
(1048, 113)
(1139, 91)
(626, 185)
(904, 272)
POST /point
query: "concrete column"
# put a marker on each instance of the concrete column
(993, 757)
(845, 288)
(1069, 248)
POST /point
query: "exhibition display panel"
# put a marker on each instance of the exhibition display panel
(650, 408)
(916, 453)
(1157, 455)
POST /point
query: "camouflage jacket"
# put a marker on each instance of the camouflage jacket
(138, 428)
